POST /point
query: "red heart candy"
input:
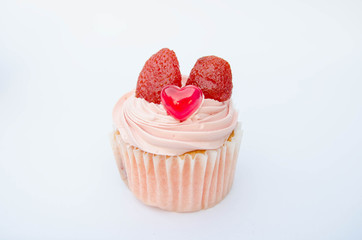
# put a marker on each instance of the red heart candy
(181, 103)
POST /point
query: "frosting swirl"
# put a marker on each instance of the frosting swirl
(148, 126)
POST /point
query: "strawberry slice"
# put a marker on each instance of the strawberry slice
(213, 76)
(160, 70)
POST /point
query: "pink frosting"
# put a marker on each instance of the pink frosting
(149, 127)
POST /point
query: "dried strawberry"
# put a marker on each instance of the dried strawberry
(160, 70)
(213, 76)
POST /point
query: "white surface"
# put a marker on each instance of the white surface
(297, 76)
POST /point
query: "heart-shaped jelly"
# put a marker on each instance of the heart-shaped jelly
(181, 103)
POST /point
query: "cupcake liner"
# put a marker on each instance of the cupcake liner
(184, 183)
(117, 155)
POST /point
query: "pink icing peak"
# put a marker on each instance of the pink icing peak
(181, 103)
(148, 126)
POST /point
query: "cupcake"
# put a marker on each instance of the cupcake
(176, 138)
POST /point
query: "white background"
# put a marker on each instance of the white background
(297, 72)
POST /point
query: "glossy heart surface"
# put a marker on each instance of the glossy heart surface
(181, 103)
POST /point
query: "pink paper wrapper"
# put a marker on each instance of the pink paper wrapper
(184, 183)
